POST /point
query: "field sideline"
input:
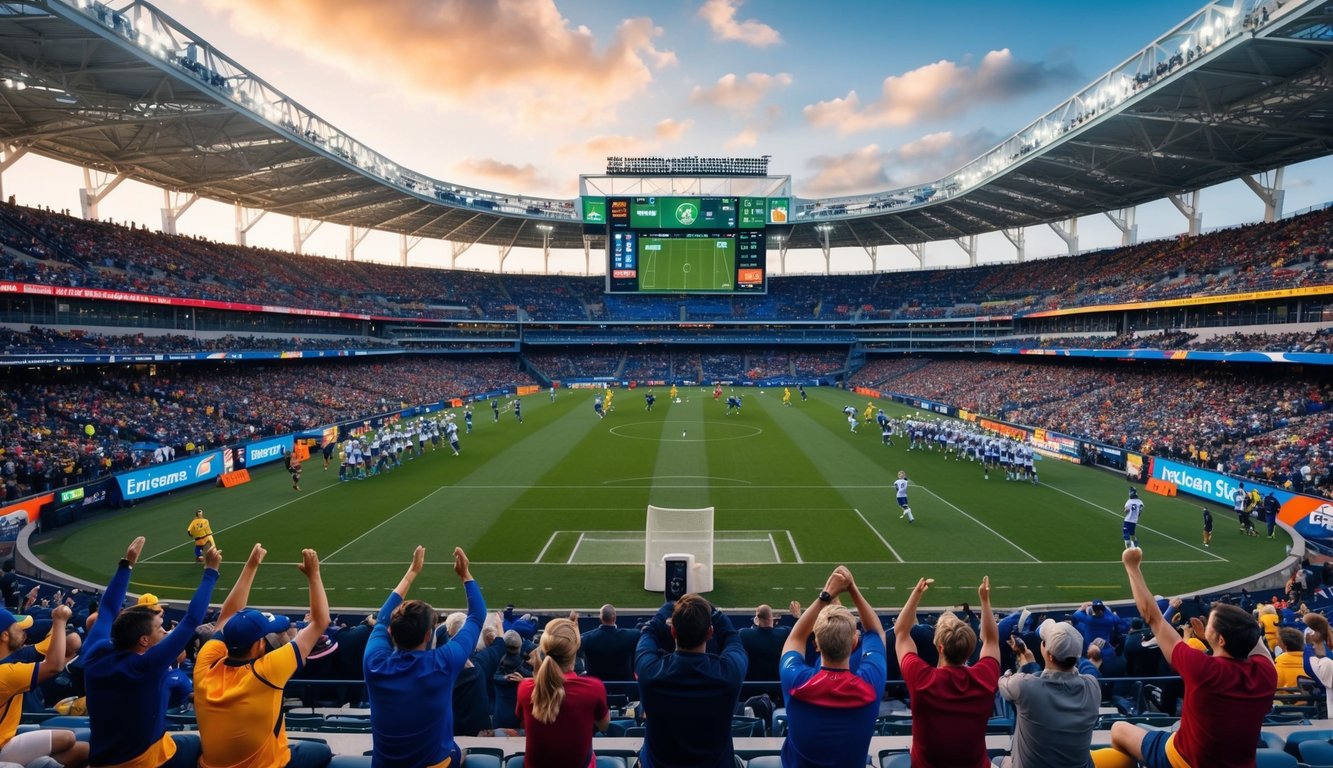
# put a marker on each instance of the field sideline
(552, 512)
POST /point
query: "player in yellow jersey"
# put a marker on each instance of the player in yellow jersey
(674, 393)
(202, 533)
(869, 412)
(786, 395)
(610, 395)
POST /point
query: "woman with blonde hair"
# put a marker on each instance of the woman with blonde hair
(560, 708)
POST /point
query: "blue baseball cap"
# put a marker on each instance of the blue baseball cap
(250, 626)
(8, 620)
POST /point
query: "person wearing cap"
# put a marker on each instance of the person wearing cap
(1057, 707)
(952, 702)
(1095, 620)
(19, 677)
(831, 710)
(411, 685)
(126, 659)
(238, 681)
(1227, 695)
(202, 533)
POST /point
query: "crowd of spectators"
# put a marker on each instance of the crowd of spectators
(57, 249)
(58, 430)
(50, 341)
(1261, 424)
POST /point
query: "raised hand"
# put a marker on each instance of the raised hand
(461, 564)
(418, 559)
(257, 554)
(983, 591)
(922, 585)
(1132, 557)
(136, 546)
(61, 613)
(309, 562)
(212, 558)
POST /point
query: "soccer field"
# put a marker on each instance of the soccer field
(552, 514)
(679, 264)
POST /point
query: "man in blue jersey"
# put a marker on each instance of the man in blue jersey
(410, 684)
(597, 406)
(831, 710)
(126, 660)
(689, 694)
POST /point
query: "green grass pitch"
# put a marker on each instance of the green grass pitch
(552, 513)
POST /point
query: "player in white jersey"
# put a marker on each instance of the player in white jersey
(451, 429)
(1133, 508)
(900, 491)
(1030, 464)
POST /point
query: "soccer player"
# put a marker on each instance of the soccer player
(886, 432)
(851, 421)
(467, 418)
(869, 411)
(786, 396)
(553, 393)
(801, 389)
(238, 681)
(597, 406)
(1271, 507)
(199, 530)
(717, 392)
(294, 467)
(329, 448)
(610, 396)
(1238, 499)
(648, 400)
(1133, 507)
(451, 430)
(518, 409)
(1207, 527)
(733, 401)
(900, 490)
(495, 409)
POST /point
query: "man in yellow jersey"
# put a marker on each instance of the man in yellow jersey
(238, 681)
(22, 673)
(202, 533)
(786, 395)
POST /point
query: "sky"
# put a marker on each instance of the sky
(524, 95)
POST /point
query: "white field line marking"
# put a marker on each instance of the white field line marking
(383, 522)
(799, 561)
(190, 543)
(998, 535)
(879, 536)
(549, 541)
(575, 551)
(1115, 514)
(777, 558)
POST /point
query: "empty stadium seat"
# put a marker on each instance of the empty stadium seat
(1272, 758)
(1316, 754)
(352, 761)
(1295, 738)
(896, 760)
(764, 761)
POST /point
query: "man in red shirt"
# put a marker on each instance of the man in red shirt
(952, 702)
(1227, 694)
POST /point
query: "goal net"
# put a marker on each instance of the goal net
(678, 532)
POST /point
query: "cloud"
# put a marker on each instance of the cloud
(721, 18)
(498, 55)
(941, 90)
(671, 130)
(512, 176)
(874, 169)
(739, 94)
(746, 138)
(606, 145)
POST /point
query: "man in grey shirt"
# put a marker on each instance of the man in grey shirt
(1057, 708)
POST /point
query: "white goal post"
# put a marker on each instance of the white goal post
(678, 531)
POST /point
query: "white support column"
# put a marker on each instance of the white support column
(824, 230)
(174, 205)
(11, 156)
(969, 246)
(1124, 220)
(1271, 193)
(1068, 232)
(300, 234)
(587, 255)
(1188, 205)
(405, 246)
(354, 237)
(92, 194)
(873, 250)
(919, 251)
(1017, 237)
(545, 229)
(246, 219)
(456, 249)
(782, 253)
(504, 251)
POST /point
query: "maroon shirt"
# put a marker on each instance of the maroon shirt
(1226, 701)
(950, 708)
(566, 743)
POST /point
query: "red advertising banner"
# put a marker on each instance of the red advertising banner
(32, 507)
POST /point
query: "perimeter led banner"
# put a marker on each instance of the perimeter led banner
(264, 451)
(160, 478)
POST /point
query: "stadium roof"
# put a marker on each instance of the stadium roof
(1232, 91)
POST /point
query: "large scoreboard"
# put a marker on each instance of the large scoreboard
(686, 244)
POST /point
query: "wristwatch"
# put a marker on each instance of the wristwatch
(825, 597)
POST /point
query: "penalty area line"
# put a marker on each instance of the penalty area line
(879, 536)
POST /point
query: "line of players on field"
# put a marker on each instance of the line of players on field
(1016, 458)
(372, 454)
